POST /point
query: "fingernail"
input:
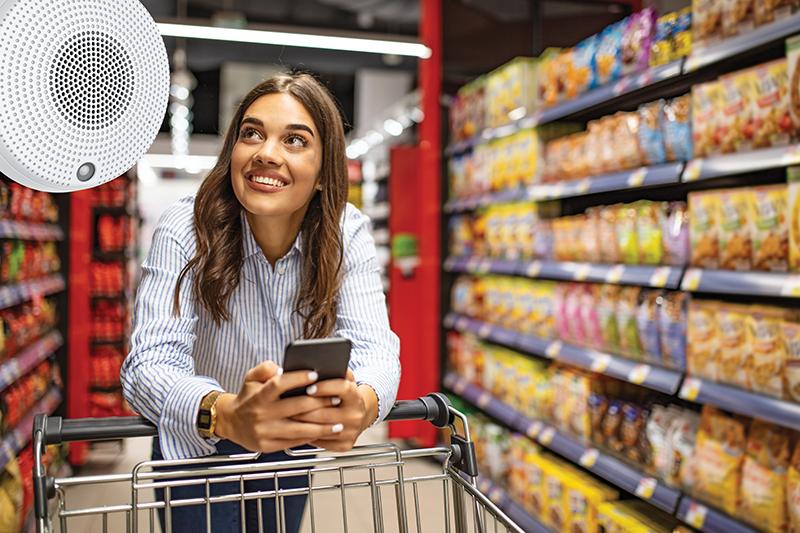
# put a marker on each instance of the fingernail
(280, 371)
(313, 376)
(336, 400)
(337, 428)
(312, 390)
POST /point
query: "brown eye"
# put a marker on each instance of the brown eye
(296, 141)
(249, 133)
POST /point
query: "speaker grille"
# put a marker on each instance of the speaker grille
(84, 81)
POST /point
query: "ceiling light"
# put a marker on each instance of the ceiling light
(392, 127)
(304, 40)
(374, 138)
(203, 162)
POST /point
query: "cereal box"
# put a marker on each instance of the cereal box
(703, 339)
(735, 229)
(767, 355)
(734, 345)
(773, 121)
(704, 218)
(767, 11)
(707, 101)
(771, 228)
(707, 21)
(737, 16)
(737, 122)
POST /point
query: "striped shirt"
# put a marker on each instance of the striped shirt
(176, 360)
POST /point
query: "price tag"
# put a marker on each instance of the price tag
(485, 266)
(620, 86)
(615, 274)
(638, 374)
(533, 269)
(460, 385)
(534, 429)
(589, 458)
(791, 287)
(646, 78)
(646, 488)
(473, 264)
(547, 435)
(696, 515)
(484, 399)
(636, 179)
(691, 280)
(582, 272)
(693, 170)
(660, 277)
(584, 186)
(485, 330)
(691, 389)
(553, 349)
(600, 363)
(557, 191)
(792, 155)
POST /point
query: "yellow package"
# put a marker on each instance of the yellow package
(767, 355)
(529, 153)
(791, 340)
(763, 492)
(535, 496)
(793, 490)
(555, 514)
(794, 225)
(707, 101)
(771, 228)
(633, 516)
(773, 120)
(704, 215)
(734, 345)
(736, 212)
(719, 452)
(702, 339)
(583, 495)
(627, 237)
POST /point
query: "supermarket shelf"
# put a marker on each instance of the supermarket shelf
(18, 293)
(602, 95)
(27, 359)
(743, 43)
(108, 342)
(709, 520)
(649, 376)
(775, 284)
(742, 163)
(599, 463)
(112, 389)
(119, 255)
(783, 413)
(500, 197)
(13, 229)
(514, 511)
(20, 436)
(490, 134)
(663, 277)
(666, 174)
(120, 210)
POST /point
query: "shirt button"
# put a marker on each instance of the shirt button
(281, 269)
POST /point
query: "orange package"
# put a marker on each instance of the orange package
(737, 120)
(704, 219)
(736, 228)
(771, 228)
(734, 345)
(703, 339)
(766, 360)
(707, 103)
(773, 120)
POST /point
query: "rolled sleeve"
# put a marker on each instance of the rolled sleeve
(362, 316)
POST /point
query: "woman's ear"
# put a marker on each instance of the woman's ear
(318, 187)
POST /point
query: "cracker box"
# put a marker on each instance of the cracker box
(771, 228)
(735, 229)
(704, 217)
(772, 118)
(707, 103)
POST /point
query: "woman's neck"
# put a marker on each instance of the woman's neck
(275, 235)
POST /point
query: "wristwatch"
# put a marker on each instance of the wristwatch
(207, 415)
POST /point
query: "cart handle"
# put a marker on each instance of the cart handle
(434, 407)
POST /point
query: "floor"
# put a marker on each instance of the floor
(424, 498)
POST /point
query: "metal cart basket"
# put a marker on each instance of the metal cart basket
(378, 478)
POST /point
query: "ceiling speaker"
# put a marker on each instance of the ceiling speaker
(84, 86)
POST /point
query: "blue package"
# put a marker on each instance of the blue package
(678, 129)
(608, 59)
(647, 320)
(672, 315)
(583, 76)
(651, 128)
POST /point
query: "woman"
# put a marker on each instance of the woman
(267, 252)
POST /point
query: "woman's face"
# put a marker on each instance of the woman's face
(277, 157)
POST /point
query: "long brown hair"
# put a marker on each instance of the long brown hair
(217, 263)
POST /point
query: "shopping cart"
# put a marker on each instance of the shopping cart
(378, 477)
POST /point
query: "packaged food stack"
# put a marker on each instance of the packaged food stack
(632, 516)
(107, 278)
(27, 260)
(467, 114)
(511, 92)
(113, 193)
(106, 364)
(109, 321)
(673, 37)
(22, 324)
(17, 400)
(716, 20)
(113, 232)
(742, 229)
(21, 203)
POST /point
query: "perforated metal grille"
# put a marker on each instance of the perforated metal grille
(84, 81)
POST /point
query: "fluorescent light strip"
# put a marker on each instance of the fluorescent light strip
(200, 162)
(328, 42)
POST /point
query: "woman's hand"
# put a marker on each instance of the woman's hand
(259, 420)
(357, 409)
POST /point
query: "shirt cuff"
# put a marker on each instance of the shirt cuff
(385, 389)
(177, 427)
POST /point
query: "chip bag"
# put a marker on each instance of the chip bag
(608, 58)
(771, 228)
(704, 217)
(735, 229)
(703, 339)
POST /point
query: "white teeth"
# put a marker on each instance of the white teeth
(268, 181)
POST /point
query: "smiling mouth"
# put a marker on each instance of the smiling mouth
(264, 180)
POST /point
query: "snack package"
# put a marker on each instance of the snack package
(607, 311)
(648, 324)
(682, 40)
(555, 514)
(708, 101)
(772, 117)
(637, 40)
(608, 58)
(764, 475)
(719, 453)
(734, 345)
(793, 490)
(737, 122)
(675, 234)
(649, 227)
(657, 429)
(607, 235)
(611, 424)
(737, 16)
(704, 217)
(627, 237)
(767, 11)
(767, 355)
(581, 77)
(590, 316)
(706, 21)
(791, 340)
(662, 49)
(735, 229)
(651, 132)
(583, 494)
(771, 228)
(672, 320)
(678, 129)
(702, 339)
(627, 307)
(682, 441)
(793, 67)
(598, 405)
(635, 447)
(794, 222)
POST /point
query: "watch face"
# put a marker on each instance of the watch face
(204, 419)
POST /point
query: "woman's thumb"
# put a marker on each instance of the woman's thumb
(263, 372)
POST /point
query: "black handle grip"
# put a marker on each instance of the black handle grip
(435, 408)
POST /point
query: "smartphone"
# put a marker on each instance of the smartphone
(327, 357)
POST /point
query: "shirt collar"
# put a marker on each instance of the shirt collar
(251, 247)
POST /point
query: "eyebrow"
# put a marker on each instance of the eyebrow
(258, 122)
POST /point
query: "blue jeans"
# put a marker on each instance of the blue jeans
(226, 517)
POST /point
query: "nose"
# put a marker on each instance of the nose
(270, 153)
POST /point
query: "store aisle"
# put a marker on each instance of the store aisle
(327, 506)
